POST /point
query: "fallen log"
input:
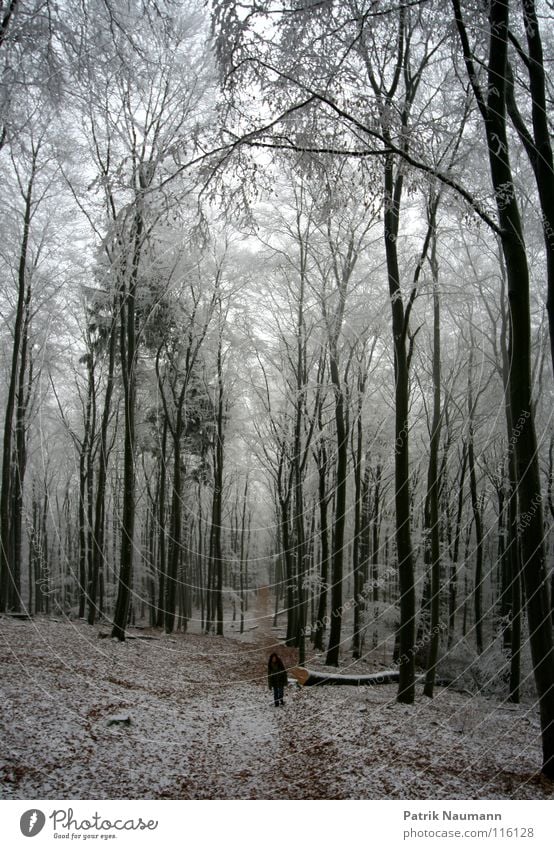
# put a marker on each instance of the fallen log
(311, 678)
(119, 719)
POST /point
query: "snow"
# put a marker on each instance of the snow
(119, 718)
(203, 726)
(372, 678)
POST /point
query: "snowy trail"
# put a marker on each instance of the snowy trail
(243, 740)
(203, 726)
(247, 734)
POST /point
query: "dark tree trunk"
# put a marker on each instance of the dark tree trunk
(25, 382)
(515, 620)
(550, 500)
(323, 502)
(161, 608)
(285, 541)
(357, 565)
(453, 577)
(523, 434)
(90, 476)
(45, 577)
(406, 631)
(512, 558)
(477, 520)
(503, 560)
(217, 502)
(174, 553)
(373, 522)
(243, 554)
(339, 518)
(200, 560)
(537, 143)
(84, 496)
(433, 484)
(102, 475)
(7, 589)
(127, 306)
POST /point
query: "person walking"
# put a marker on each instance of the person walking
(276, 678)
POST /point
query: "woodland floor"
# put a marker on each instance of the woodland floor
(203, 726)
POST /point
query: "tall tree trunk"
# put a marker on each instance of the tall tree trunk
(323, 502)
(537, 143)
(102, 476)
(45, 577)
(243, 554)
(6, 578)
(161, 607)
(523, 434)
(333, 649)
(128, 353)
(373, 519)
(404, 551)
(454, 554)
(357, 565)
(25, 383)
(217, 502)
(512, 551)
(299, 530)
(84, 494)
(290, 594)
(174, 553)
(433, 483)
(477, 519)
(90, 476)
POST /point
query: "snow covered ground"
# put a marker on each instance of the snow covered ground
(203, 727)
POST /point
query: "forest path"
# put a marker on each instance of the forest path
(246, 733)
(203, 725)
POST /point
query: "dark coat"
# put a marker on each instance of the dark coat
(276, 672)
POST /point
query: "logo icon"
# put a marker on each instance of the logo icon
(32, 822)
